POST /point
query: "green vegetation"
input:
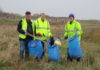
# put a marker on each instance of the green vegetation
(3, 20)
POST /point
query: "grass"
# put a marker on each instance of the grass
(9, 49)
(3, 20)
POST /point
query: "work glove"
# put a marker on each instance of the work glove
(26, 33)
(50, 37)
(34, 37)
(66, 37)
(39, 34)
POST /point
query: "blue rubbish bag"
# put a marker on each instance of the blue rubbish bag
(35, 48)
(74, 49)
(53, 52)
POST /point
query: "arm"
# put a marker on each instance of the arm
(79, 29)
(19, 28)
(49, 31)
(66, 30)
(34, 24)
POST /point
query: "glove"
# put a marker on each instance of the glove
(34, 38)
(50, 37)
(26, 33)
(39, 34)
(65, 37)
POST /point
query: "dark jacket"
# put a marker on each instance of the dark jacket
(29, 29)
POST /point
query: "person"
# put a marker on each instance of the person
(42, 30)
(72, 28)
(25, 29)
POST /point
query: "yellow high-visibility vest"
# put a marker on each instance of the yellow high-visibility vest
(42, 27)
(24, 27)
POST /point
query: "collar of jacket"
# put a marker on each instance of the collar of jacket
(72, 21)
(41, 19)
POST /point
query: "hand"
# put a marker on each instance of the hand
(66, 37)
(26, 33)
(34, 38)
(50, 37)
(39, 34)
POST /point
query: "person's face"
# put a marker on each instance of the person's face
(28, 16)
(43, 16)
(71, 18)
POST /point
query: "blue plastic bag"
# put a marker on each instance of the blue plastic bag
(35, 48)
(74, 49)
(53, 52)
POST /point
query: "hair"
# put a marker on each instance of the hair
(27, 12)
(42, 13)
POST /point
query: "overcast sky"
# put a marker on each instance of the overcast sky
(83, 9)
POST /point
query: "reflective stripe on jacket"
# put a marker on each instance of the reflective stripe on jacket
(43, 27)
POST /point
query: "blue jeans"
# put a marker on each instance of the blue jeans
(24, 49)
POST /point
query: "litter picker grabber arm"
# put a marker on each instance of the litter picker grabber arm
(35, 37)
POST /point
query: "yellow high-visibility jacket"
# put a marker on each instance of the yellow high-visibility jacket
(73, 29)
(24, 27)
(42, 27)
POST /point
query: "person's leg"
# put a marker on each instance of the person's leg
(26, 50)
(68, 57)
(43, 50)
(22, 49)
(78, 59)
